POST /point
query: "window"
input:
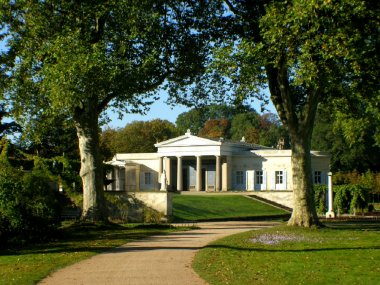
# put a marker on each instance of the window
(239, 177)
(147, 178)
(317, 177)
(279, 177)
(259, 177)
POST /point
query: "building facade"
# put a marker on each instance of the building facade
(191, 163)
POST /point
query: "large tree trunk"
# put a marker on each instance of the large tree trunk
(298, 116)
(91, 172)
(304, 213)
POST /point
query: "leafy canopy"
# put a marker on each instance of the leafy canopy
(116, 53)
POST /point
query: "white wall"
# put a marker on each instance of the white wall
(270, 161)
(159, 201)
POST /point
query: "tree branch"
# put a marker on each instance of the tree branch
(310, 109)
(103, 104)
(232, 8)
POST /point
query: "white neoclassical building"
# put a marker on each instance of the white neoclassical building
(191, 163)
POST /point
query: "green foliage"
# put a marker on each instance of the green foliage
(88, 56)
(351, 192)
(137, 137)
(196, 118)
(29, 206)
(153, 216)
(50, 136)
(211, 121)
(245, 125)
(369, 180)
(358, 154)
(110, 54)
(117, 207)
(359, 199)
(320, 192)
(348, 198)
(342, 198)
(304, 52)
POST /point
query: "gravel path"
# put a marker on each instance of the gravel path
(161, 259)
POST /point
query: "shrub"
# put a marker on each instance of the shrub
(359, 198)
(320, 192)
(342, 198)
(117, 206)
(29, 208)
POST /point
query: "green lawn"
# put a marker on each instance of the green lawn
(338, 254)
(218, 207)
(77, 242)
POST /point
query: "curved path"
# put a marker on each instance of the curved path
(161, 259)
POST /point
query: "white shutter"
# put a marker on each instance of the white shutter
(285, 187)
(250, 180)
(264, 186)
(273, 179)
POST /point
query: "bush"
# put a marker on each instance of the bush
(29, 207)
(347, 198)
(320, 192)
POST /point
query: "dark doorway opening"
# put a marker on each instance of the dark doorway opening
(185, 179)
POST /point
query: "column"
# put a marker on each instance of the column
(217, 173)
(168, 173)
(330, 213)
(198, 186)
(160, 161)
(179, 174)
(226, 174)
(138, 172)
(229, 172)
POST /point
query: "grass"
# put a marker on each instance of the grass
(341, 253)
(221, 207)
(30, 264)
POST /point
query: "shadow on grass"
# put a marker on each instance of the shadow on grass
(353, 225)
(88, 237)
(259, 249)
(282, 217)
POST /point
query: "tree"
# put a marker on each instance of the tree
(245, 125)
(305, 52)
(215, 129)
(138, 136)
(79, 57)
(196, 118)
(346, 154)
(262, 129)
(49, 137)
(108, 142)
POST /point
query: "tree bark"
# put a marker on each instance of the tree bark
(91, 172)
(304, 213)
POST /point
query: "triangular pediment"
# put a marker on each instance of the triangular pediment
(188, 140)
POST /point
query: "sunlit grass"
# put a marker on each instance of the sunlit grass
(220, 207)
(284, 255)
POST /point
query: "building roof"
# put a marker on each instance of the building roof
(189, 144)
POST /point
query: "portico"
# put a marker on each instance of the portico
(194, 173)
(195, 164)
